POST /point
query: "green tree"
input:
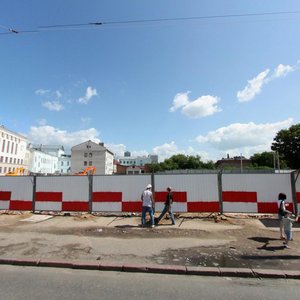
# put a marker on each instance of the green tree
(182, 162)
(287, 145)
(264, 159)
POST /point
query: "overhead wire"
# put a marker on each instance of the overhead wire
(102, 23)
(171, 19)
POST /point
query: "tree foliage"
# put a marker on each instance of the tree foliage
(182, 162)
(264, 159)
(287, 144)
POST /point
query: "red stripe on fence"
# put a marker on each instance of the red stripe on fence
(177, 196)
(298, 197)
(49, 196)
(267, 208)
(107, 196)
(233, 196)
(5, 195)
(203, 207)
(75, 206)
(132, 206)
(20, 205)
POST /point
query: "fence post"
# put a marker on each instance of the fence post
(33, 193)
(90, 180)
(294, 194)
(153, 190)
(220, 189)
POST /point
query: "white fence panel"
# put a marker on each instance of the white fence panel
(16, 192)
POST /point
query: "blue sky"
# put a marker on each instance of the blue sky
(207, 87)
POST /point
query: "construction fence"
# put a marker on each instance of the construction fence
(220, 192)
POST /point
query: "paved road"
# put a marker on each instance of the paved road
(50, 283)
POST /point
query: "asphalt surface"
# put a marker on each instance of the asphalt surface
(203, 244)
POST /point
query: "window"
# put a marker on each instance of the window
(1, 158)
(12, 148)
(90, 154)
(90, 163)
(6, 159)
(3, 145)
(0, 170)
(62, 163)
(16, 149)
(10, 160)
(85, 155)
(7, 148)
(85, 163)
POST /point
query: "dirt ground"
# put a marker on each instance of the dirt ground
(248, 241)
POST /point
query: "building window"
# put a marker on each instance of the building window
(3, 145)
(10, 160)
(90, 163)
(62, 163)
(7, 148)
(1, 158)
(6, 159)
(90, 154)
(0, 170)
(85, 163)
(85, 155)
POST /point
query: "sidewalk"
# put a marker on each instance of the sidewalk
(232, 246)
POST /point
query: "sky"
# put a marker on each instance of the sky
(192, 84)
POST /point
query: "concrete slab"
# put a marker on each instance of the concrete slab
(37, 218)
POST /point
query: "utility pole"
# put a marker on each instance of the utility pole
(241, 163)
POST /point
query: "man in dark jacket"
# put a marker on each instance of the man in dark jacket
(168, 207)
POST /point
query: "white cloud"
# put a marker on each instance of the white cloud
(53, 105)
(90, 92)
(201, 107)
(180, 99)
(244, 137)
(253, 87)
(50, 135)
(41, 92)
(255, 84)
(283, 70)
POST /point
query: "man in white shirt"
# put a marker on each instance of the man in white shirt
(147, 205)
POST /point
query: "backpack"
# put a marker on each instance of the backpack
(281, 211)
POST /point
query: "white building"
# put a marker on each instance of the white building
(42, 163)
(128, 160)
(64, 160)
(89, 154)
(12, 151)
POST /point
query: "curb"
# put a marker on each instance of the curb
(157, 269)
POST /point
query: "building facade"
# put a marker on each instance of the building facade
(128, 160)
(12, 151)
(41, 162)
(90, 154)
(64, 160)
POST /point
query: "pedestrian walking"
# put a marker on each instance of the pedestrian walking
(147, 206)
(282, 209)
(168, 207)
(288, 221)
